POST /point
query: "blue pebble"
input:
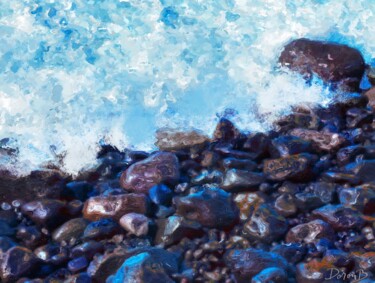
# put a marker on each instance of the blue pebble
(169, 17)
(160, 194)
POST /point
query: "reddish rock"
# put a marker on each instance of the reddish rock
(310, 232)
(114, 206)
(333, 63)
(161, 167)
(321, 140)
(174, 140)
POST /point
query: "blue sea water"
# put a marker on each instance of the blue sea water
(76, 72)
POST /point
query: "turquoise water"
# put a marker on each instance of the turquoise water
(76, 72)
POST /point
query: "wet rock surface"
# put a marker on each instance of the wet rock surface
(288, 205)
(334, 63)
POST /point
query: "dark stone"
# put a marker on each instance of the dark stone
(323, 141)
(332, 62)
(341, 177)
(265, 224)
(288, 145)
(160, 194)
(77, 264)
(208, 177)
(315, 195)
(348, 154)
(114, 206)
(167, 139)
(236, 180)
(310, 232)
(6, 229)
(295, 167)
(271, 274)
(228, 151)
(48, 253)
(164, 212)
(235, 163)
(211, 207)
(101, 229)
(134, 223)
(9, 217)
(363, 170)
(31, 236)
(292, 252)
(6, 243)
(105, 265)
(46, 213)
(257, 144)
(370, 94)
(161, 167)
(340, 217)
(37, 185)
(357, 117)
(173, 229)
(78, 190)
(79, 278)
(72, 229)
(245, 264)
(225, 131)
(155, 265)
(361, 199)
(17, 262)
(285, 205)
(87, 249)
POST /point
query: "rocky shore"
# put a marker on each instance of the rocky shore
(296, 204)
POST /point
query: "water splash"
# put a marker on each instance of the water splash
(74, 72)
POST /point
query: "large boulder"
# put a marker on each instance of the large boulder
(333, 63)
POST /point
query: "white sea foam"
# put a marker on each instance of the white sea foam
(73, 72)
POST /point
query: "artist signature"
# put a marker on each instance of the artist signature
(356, 275)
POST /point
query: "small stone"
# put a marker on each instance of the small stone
(285, 205)
(370, 94)
(292, 252)
(173, 229)
(321, 140)
(313, 272)
(315, 195)
(78, 264)
(361, 199)
(168, 139)
(242, 164)
(211, 207)
(105, 265)
(161, 167)
(348, 154)
(245, 264)
(363, 170)
(288, 145)
(101, 229)
(241, 180)
(6, 243)
(78, 190)
(47, 252)
(357, 117)
(31, 236)
(225, 131)
(340, 217)
(271, 274)
(246, 203)
(160, 194)
(265, 224)
(73, 228)
(257, 144)
(310, 232)
(295, 167)
(17, 262)
(134, 223)
(47, 213)
(155, 265)
(87, 249)
(114, 206)
(6, 229)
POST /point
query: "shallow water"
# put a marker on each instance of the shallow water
(73, 73)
